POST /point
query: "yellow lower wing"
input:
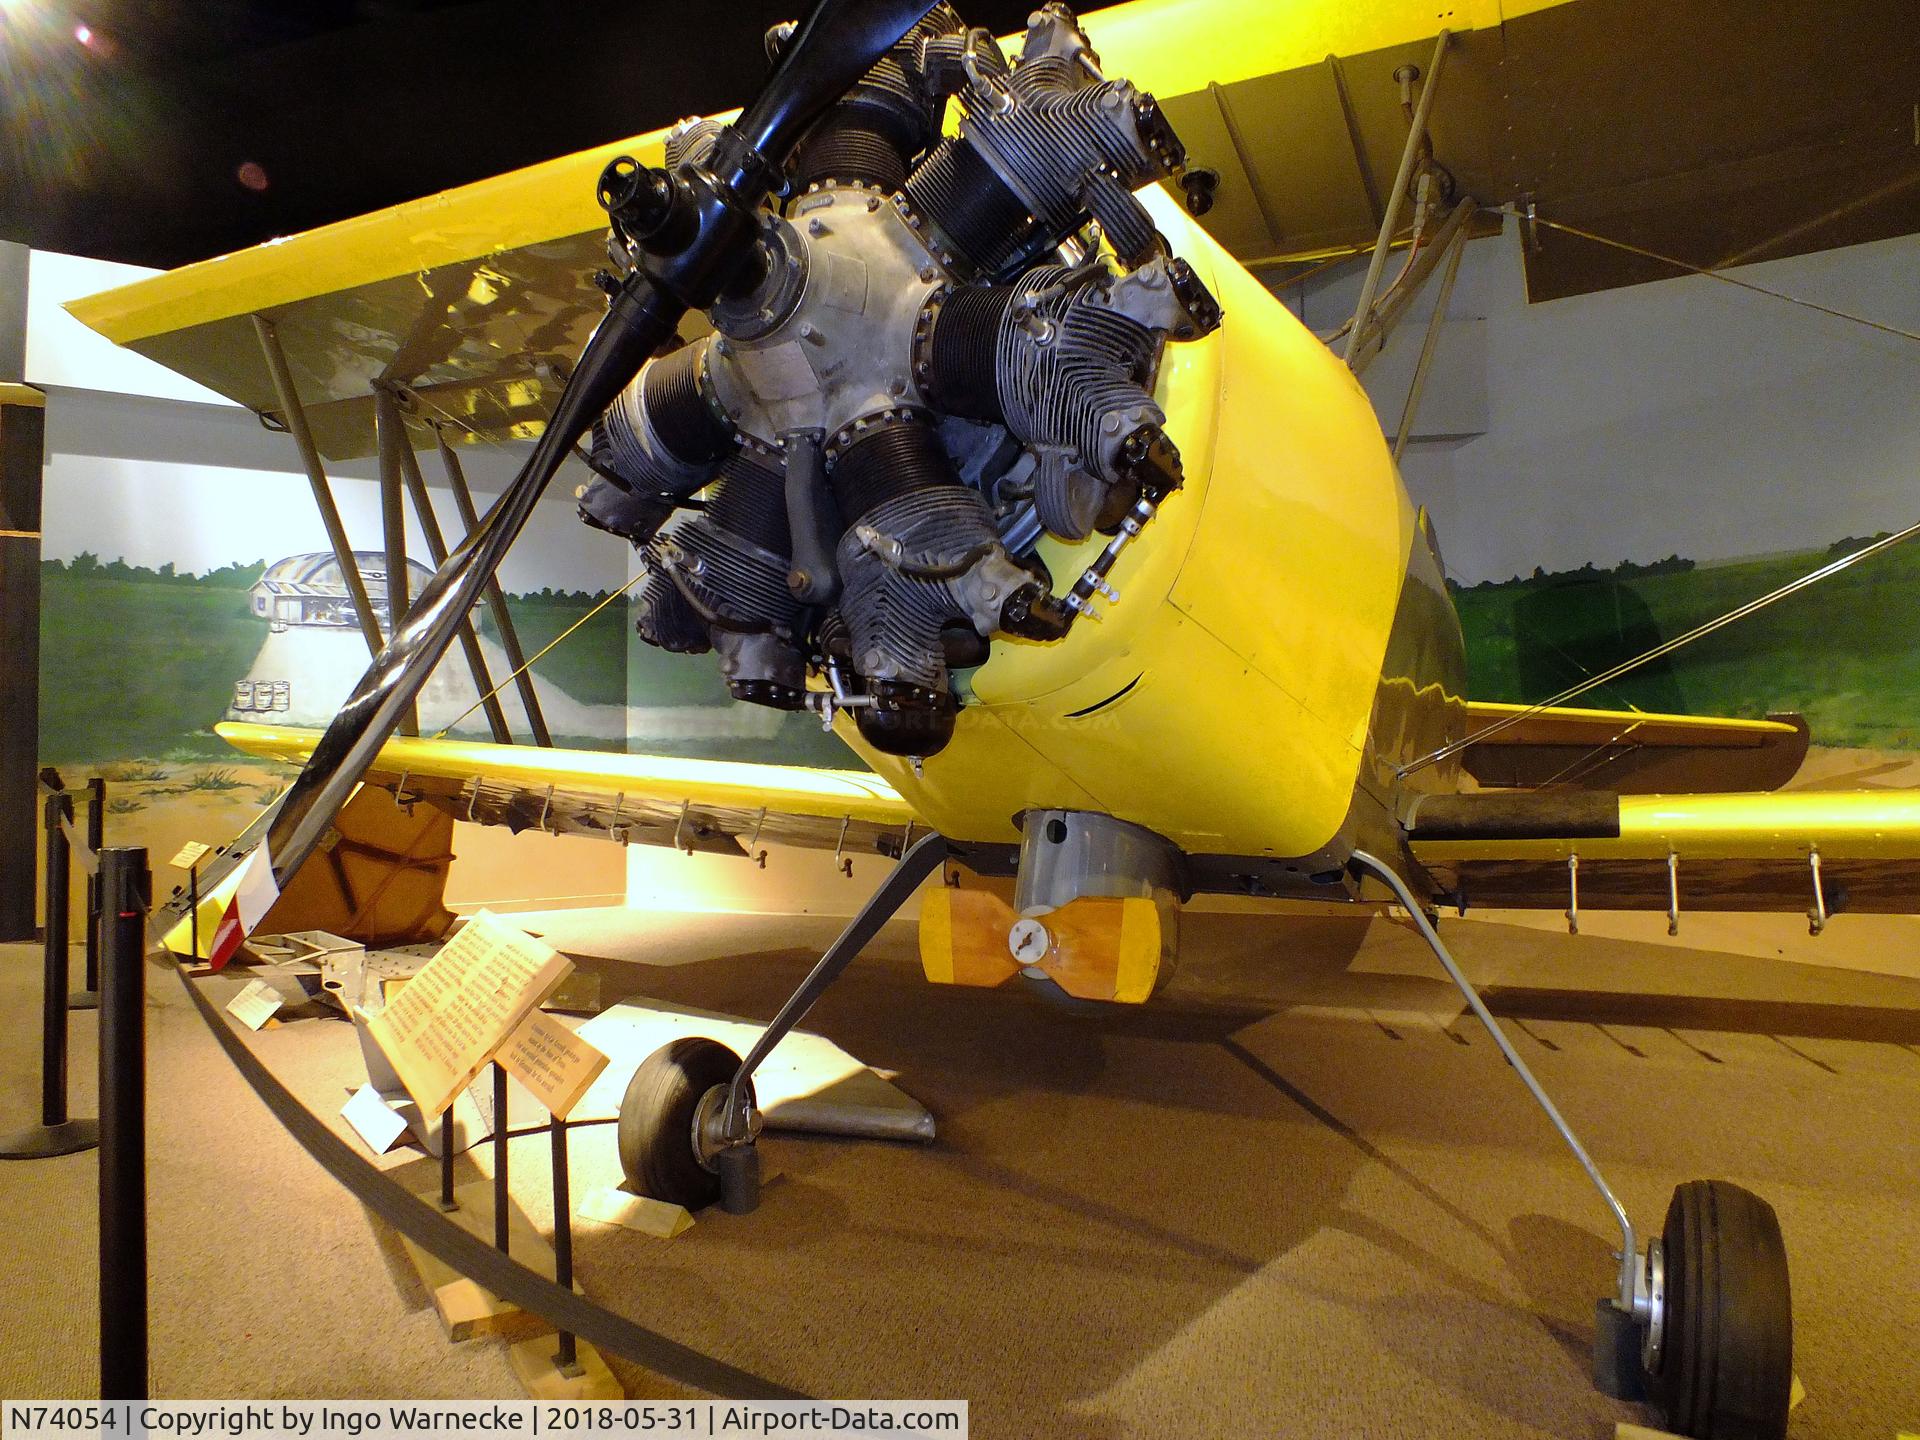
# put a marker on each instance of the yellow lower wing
(650, 799)
(1729, 852)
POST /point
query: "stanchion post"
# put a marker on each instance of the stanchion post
(126, 887)
(193, 906)
(53, 1002)
(500, 1200)
(447, 1202)
(89, 997)
(565, 1360)
(55, 1134)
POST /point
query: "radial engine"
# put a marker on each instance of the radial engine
(943, 348)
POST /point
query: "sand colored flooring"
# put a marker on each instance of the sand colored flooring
(1297, 1195)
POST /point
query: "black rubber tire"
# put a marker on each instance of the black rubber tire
(1726, 1367)
(656, 1120)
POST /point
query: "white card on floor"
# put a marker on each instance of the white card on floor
(373, 1119)
(254, 1006)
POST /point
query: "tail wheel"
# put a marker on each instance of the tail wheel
(660, 1148)
(1725, 1366)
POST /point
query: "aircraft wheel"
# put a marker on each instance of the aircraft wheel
(660, 1116)
(1724, 1368)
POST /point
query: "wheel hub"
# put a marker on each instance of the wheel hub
(710, 1128)
(1650, 1306)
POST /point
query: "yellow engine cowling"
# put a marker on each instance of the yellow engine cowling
(1223, 701)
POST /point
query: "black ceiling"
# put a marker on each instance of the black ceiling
(138, 143)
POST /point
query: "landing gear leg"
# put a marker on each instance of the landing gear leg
(1709, 1303)
(688, 1126)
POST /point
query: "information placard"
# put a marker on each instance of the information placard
(551, 1061)
(447, 1021)
(189, 855)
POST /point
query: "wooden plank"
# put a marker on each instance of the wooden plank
(639, 1213)
(532, 1362)
(467, 1308)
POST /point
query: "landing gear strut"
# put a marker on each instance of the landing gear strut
(1701, 1324)
(688, 1126)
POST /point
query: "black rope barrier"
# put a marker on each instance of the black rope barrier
(421, 1222)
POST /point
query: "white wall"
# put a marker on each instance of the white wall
(149, 512)
(1681, 416)
(62, 351)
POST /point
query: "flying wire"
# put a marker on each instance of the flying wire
(1727, 279)
(442, 731)
(1792, 587)
(1886, 542)
(498, 444)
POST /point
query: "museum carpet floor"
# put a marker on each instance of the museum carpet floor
(1297, 1195)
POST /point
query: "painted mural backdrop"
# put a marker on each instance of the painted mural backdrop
(1843, 652)
(139, 664)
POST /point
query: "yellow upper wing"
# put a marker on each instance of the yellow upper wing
(463, 296)
(1630, 751)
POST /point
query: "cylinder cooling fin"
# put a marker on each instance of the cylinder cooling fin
(945, 348)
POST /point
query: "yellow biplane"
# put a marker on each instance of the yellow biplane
(930, 408)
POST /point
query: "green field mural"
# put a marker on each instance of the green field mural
(1844, 652)
(140, 663)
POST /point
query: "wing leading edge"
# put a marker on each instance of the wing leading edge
(715, 805)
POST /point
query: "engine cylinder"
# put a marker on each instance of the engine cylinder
(962, 349)
(677, 412)
(857, 144)
(661, 436)
(719, 581)
(889, 461)
(920, 557)
(983, 219)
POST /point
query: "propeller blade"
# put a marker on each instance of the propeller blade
(835, 45)
(636, 324)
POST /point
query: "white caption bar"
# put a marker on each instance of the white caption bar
(487, 1420)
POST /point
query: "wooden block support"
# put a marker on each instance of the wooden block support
(467, 1308)
(639, 1213)
(532, 1362)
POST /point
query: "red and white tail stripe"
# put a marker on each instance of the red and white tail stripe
(251, 901)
